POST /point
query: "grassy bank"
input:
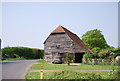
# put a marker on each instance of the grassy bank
(70, 75)
(72, 67)
(13, 59)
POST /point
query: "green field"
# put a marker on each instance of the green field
(72, 67)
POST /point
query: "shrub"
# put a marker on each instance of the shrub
(115, 52)
(96, 49)
(87, 55)
(69, 58)
(22, 52)
(103, 54)
(7, 52)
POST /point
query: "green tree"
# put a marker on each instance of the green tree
(96, 49)
(7, 52)
(87, 55)
(94, 38)
(115, 52)
(22, 52)
(69, 58)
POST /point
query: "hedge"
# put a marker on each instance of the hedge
(22, 52)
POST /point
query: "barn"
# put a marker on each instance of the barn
(62, 41)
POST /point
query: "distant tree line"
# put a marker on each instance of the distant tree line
(22, 52)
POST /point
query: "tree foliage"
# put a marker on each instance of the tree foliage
(22, 52)
(87, 55)
(96, 49)
(69, 58)
(94, 38)
(115, 52)
(104, 53)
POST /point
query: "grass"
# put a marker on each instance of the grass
(12, 59)
(70, 75)
(72, 67)
(41, 61)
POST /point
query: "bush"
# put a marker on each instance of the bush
(22, 52)
(115, 52)
(69, 58)
(112, 52)
(87, 55)
(103, 54)
(96, 49)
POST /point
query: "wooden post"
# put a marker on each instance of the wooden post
(41, 72)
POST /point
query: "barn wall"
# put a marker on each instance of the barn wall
(77, 48)
(58, 43)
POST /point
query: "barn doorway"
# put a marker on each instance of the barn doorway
(78, 57)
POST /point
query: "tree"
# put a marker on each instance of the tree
(69, 58)
(94, 38)
(87, 55)
(96, 49)
(22, 52)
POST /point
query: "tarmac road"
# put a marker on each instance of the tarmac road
(16, 69)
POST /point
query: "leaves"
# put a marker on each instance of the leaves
(94, 38)
(96, 49)
(87, 55)
(21, 52)
(69, 58)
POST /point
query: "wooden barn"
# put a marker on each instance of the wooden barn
(62, 41)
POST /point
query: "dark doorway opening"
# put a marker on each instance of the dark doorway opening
(78, 57)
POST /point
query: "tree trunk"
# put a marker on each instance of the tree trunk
(68, 63)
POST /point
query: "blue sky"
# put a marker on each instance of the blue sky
(29, 24)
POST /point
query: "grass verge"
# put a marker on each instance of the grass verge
(41, 61)
(72, 67)
(13, 59)
(69, 75)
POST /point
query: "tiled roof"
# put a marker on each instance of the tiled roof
(59, 29)
(74, 37)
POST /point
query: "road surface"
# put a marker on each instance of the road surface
(16, 69)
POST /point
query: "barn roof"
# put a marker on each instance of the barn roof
(74, 37)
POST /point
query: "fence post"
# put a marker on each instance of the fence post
(41, 72)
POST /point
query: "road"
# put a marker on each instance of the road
(16, 69)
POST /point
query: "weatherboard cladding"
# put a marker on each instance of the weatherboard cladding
(62, 40)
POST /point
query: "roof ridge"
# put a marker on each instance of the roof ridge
(62, 27)
(59, 29)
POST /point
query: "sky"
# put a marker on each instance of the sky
(118, 25)
(28, 24)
